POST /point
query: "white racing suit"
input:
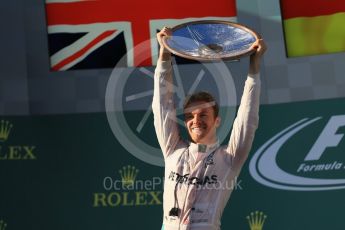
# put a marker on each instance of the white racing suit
(198, 178)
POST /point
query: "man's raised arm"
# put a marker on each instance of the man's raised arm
(247, 119)
(162, 105)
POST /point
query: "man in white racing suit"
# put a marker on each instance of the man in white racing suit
(199, 173)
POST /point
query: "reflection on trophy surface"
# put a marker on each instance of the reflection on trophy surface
(210, 49)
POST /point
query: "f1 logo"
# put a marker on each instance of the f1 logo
(328, 138)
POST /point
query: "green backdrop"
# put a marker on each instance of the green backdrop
(56, 173)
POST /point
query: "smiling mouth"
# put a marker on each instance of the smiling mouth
(197, 130)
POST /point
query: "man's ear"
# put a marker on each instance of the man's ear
(218, 121)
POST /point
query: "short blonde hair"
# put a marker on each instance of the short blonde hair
(202, 96)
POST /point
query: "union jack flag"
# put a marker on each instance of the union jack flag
(84, 34)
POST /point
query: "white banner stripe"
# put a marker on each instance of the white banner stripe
(80, 28)
(67, 1)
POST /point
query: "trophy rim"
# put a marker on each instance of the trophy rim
(229, 57)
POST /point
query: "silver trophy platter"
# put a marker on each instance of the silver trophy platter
(211, 40)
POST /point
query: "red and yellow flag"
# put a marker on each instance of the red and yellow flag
(313, 27)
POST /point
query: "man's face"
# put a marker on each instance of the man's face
(201, 122)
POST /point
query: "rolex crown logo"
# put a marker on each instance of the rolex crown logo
(256, 220)
(128, 175)
(3, 225)
(5, 129)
